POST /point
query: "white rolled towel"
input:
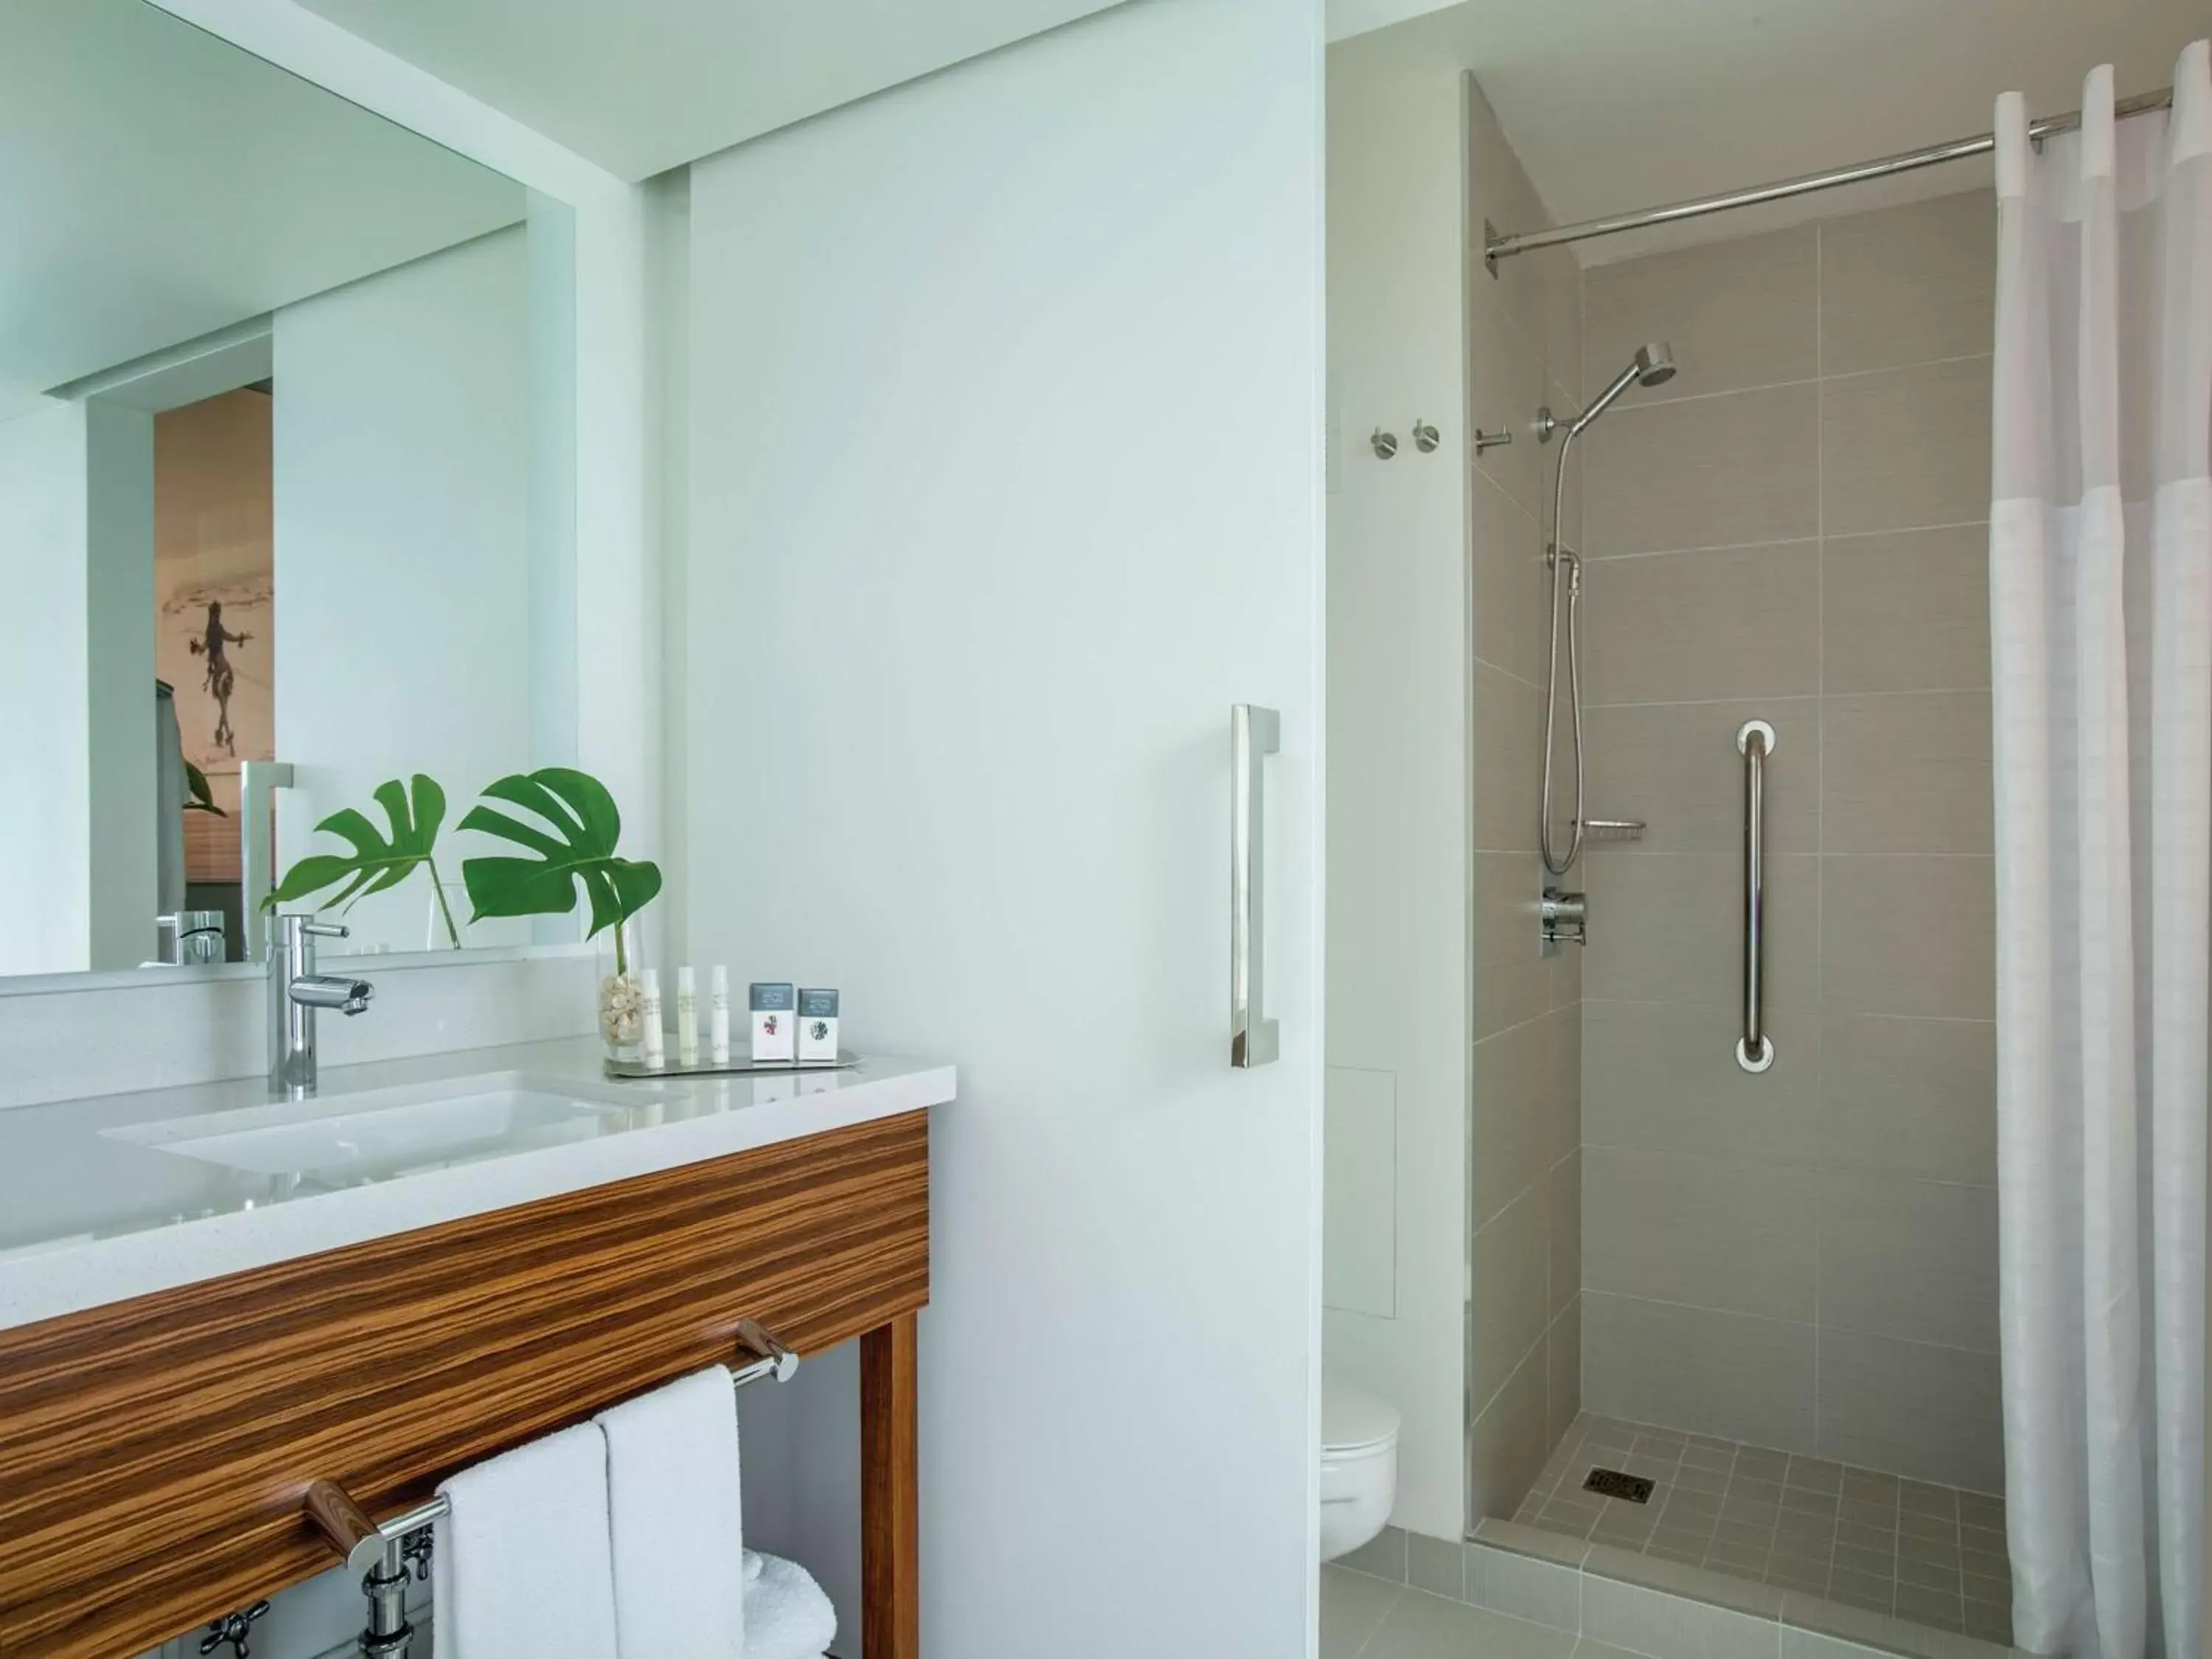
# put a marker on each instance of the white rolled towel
(786, 1614)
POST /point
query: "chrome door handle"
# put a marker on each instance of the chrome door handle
(256, 847)
(1254, 733)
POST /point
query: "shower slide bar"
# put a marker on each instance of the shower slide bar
(383, 1551)
(1498, 246)
(1754, 1050)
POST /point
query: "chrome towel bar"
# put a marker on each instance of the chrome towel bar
(383, 1551)
(1754, 1050)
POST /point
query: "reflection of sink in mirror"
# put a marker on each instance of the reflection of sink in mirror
(345, 1140)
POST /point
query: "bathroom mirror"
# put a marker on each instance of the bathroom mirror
(286, 498)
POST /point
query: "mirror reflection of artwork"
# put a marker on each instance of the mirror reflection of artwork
(214, 643)
(214, 583)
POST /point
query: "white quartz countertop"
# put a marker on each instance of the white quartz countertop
(120, 1196)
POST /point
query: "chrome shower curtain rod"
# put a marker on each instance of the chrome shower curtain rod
(1496, 247)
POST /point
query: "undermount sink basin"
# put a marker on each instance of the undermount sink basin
(345, 1140)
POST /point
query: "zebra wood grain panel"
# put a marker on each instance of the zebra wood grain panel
(890, 1491)
(154, 1452)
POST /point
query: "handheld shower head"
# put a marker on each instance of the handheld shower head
(1653, 365)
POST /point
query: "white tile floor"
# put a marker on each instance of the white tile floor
(1931, 1554)
(1365, 1618)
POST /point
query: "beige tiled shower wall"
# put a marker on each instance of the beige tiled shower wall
(1793, 528)
(1524, 1316)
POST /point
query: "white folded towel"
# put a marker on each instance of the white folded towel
(677, 1524)
(521, 1565)
(786, 1614)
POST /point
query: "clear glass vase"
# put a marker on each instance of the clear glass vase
(621, 991)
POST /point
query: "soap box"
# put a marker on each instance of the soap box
(774, 1035)
(817, 1025)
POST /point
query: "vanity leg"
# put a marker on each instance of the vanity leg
(890, 1520)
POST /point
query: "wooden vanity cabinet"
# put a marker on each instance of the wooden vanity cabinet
(154, 1452)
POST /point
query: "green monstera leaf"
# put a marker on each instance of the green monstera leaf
(201, 793)
(380, 859)
(578, 849)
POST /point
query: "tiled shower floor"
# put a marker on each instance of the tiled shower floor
(1932, 1554)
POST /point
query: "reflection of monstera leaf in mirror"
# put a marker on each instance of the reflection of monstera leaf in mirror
(201, 798)
(380, 860)
(575, 847)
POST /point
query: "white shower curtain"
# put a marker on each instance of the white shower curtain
(2100, 593)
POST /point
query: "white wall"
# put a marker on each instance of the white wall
(552, 403)
(1400, 659)
(45, 766)
(403, 488)
(1005, 405)
(118, 607)
(76, 553)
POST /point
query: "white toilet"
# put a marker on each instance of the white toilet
(1359, 1466)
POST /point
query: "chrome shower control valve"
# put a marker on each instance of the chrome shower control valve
(1566, 917)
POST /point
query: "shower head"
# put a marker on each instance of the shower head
(1653, 365)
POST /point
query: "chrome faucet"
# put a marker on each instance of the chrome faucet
(296, 991)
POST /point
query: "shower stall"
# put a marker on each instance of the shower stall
(1759, 772)
(1774, 633)
(1787, 1274)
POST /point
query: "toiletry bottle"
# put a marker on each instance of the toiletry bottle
(818, 1027)
(656, 1054)
(687, 1019)
(718, 1015)
(773, 1005)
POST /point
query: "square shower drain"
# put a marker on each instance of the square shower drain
(1612, 1483)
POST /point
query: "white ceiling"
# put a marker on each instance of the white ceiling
(158, 185)
(641, 86)
(1616, 104)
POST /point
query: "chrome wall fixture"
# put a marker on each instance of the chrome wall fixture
(1613, 829)
(1565, 917)
(1754, 1050)
(1497, 245)
(1653, 365)
(386, 1554)
(1254, 735)
(1385, 444)
(233, 1631)
(1425, 437)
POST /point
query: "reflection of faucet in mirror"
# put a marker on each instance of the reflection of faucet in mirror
(296, 991)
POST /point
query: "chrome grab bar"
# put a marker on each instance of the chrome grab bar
(1254, 733)
(1754, 1050)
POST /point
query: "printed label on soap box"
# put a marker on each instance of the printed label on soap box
(775, 1022)
(817, 1025)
